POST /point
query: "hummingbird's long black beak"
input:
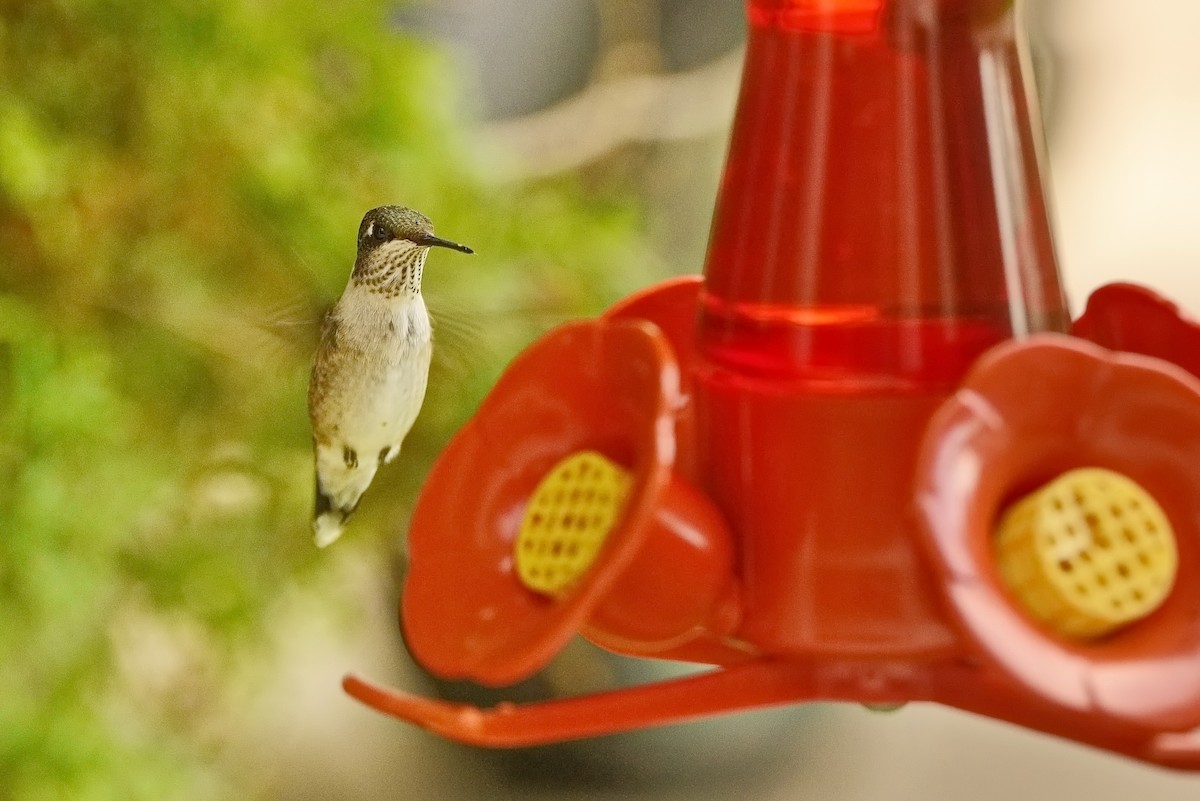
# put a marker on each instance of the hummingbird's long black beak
(429, 240)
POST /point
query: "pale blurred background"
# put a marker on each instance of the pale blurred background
(166, 630)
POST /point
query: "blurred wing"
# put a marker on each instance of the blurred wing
(466, 338)
(460, 343)
(292, 331)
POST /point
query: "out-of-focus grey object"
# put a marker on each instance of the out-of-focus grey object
(521, 56)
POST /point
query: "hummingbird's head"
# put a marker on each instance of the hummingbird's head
(398, 225)
(392, 244)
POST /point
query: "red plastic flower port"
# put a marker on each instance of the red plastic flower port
(1130, 318)
(661, 575)
(1028, 412)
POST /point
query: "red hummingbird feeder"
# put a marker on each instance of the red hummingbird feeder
(866, 457)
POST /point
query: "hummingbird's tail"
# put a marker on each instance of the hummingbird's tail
(328, 520)
(327, 528)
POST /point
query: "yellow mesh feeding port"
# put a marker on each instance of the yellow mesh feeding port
(570, 514)
(1088, 553)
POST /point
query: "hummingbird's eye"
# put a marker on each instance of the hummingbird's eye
(380, 233)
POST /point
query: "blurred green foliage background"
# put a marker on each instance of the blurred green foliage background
(180, 185)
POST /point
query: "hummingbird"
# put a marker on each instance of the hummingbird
(372, 364)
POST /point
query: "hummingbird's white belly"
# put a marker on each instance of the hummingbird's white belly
(385, 386)
(381, 413)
